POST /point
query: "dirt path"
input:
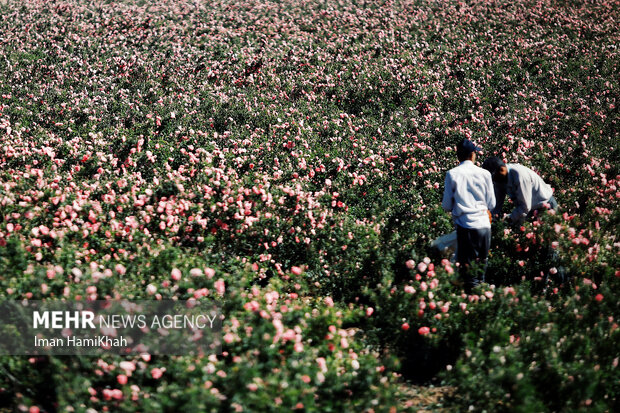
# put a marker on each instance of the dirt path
(421, 398)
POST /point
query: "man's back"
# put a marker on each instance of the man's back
(469, 195)
(527, 189)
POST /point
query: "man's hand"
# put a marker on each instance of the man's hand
(509, 221)
(490, 216)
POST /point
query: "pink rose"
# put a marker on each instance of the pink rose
(122, 379)
(220, 286)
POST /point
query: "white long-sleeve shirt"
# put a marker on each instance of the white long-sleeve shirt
(469, 195)
(527, 190)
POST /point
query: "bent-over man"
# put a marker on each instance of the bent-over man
(525, 187)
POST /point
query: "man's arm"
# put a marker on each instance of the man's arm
(490, 193)
(500, 196)
(448, 194)
(523, 199)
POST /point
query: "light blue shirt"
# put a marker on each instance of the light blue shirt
(469, 195)
(527, 190)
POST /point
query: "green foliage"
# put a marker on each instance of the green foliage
(294, 154)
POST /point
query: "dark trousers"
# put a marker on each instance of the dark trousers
(553, 204)
(472, 254)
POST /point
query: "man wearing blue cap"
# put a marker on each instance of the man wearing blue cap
(525, 187)
(470, 197)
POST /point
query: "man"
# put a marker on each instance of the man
(469, 196)
(525, 187)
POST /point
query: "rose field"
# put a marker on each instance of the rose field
(287, 158)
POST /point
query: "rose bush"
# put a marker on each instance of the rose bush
(291, 155)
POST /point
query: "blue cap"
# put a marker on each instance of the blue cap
(466, 147)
